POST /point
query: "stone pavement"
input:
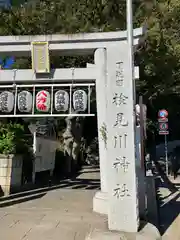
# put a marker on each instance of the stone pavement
(61, 214)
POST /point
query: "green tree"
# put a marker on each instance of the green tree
(159, 61)
(65, 16)
(158, 57)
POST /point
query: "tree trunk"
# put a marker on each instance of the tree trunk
(72, 141)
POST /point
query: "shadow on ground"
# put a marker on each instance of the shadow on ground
(30, 192)
(169, 205)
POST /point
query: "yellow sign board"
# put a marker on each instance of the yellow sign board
(40, 57)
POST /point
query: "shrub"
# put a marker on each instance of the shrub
(12, 138)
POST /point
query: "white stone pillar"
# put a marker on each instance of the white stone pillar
(100, 198)
(123, 212)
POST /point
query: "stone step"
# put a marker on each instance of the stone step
(33, 191)
(65, 184)
(11, 200)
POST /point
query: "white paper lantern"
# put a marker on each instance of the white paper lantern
(61, 101)
(25, 101)
(6, 101)
(80, 101)
(43, 101)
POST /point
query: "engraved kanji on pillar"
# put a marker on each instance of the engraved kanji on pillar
(123, 211)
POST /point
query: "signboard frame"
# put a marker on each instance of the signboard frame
(165, 118)
(165, 132)
(47, 61)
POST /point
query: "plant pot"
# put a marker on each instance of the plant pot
(10, 173)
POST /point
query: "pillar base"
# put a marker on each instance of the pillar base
(141, 193)
(100, 202)
(148, 232)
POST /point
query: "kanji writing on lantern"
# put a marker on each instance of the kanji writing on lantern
(43, 101)
(6, 101)
(60, 101)
(3, 102)
(120, 120)
(119, 99)
(120, 141)
(121, 190)
(119, 74)
(80, 100)
(22, 101)
(121, 162)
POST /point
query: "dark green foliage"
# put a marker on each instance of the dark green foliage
(12, 138)
(64, 16)
(158, 57)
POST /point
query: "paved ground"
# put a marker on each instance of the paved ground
(61, 214)
(66, 213)
(169, 196)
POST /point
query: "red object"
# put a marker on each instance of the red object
(163, 126)
(41, 100)
(163, 113)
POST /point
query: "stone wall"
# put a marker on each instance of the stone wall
(10, 173)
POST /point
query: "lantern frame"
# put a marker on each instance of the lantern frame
(34, 114)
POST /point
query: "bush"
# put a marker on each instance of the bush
(12, 138)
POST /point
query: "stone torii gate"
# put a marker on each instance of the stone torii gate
(115, 110)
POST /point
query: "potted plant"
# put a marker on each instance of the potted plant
(12, 147)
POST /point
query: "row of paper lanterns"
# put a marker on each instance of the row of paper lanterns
(43, 101)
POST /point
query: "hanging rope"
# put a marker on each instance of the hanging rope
(73, 70)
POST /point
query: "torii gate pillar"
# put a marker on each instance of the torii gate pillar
(102, 62)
